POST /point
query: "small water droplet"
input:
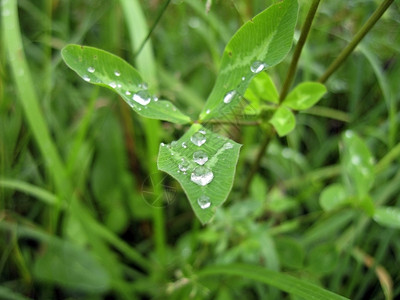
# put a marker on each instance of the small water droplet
(229, 96)
(200, 157)
(117, 73)
(184, 145)
(128, 93)
(228, 145)
(257, 66)
(349, 134)
(162, 144)
(86, 78)
(184, 165)
(208, 111)
(204, 201)
(119, 85)
(174, 143)
(113, 85)
(139, 108)
(243, 78)
(142, 97)
(198, 138)
(91, 69)
(202, 175)
(143, 85)
(155, 98)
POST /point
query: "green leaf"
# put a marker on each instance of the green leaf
(105, 69)
(388, 216)
(70, 266)
(283, 121)
(211, 182)
(262, 88)
(357, 164)
(291, 253)
(264, 40)
(284, 282)
(323, 259)
(305, 95)
(333, 197)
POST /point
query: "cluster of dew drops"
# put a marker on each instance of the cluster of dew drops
(201, 175)
(142, 97)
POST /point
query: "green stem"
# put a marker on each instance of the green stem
(299, 47)
(356, 40)
(393, 154)
(257, 162)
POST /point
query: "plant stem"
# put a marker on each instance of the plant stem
(257, 162)
(356, 40)
(299, 47)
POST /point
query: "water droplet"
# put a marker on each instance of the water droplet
(184, 145)
(117, 73)
(142, 97)
(86, 78)
(91, 69)
(128, 93)
(155, 99)
(184, 165)
(119, 85)
(174, 143)
(143, 85)
(200, 157)
(229, 96)
(228, 145)
(355, 160)
(349, 134)
(257, 66)
(162, 144)
(202, 175)
(198, 138)
(204, 201)
(113, 85)
(208, 111)
(243, 78)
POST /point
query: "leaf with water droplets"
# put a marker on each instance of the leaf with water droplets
(258, 45)
(105, 69)
(210, 164)
(305, 95)
(388, 216)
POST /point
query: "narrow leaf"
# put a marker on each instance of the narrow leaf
(204, 163)
(305, 95)
(357, 163)
(105, 69)
(388, 216)
(284, 282)
(283, 121)
(259, 44)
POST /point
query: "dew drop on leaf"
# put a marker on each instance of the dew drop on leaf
(355, 160)
(184, 145)
(198, 138)
(228, 145)
(208, 111)
(91, 69)
(204, 201)
(86, 78)
(229, 96)
(174, 143)
(142, 97)
(117, 73)
(257, 66)
(113, 85)
(200, 157)
(128, 93)
(143, 85)
(202, 175)
(183, 165)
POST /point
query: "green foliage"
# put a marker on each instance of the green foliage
(313, 210)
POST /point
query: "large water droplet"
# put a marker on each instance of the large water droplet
(204, 201)
(86, 78)
(184, 165)
(117, 73)
(257, 66)
(229, 96)
(198, 138)
(200, 157)
(91, 69)
(142, 97)
(202, 175)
